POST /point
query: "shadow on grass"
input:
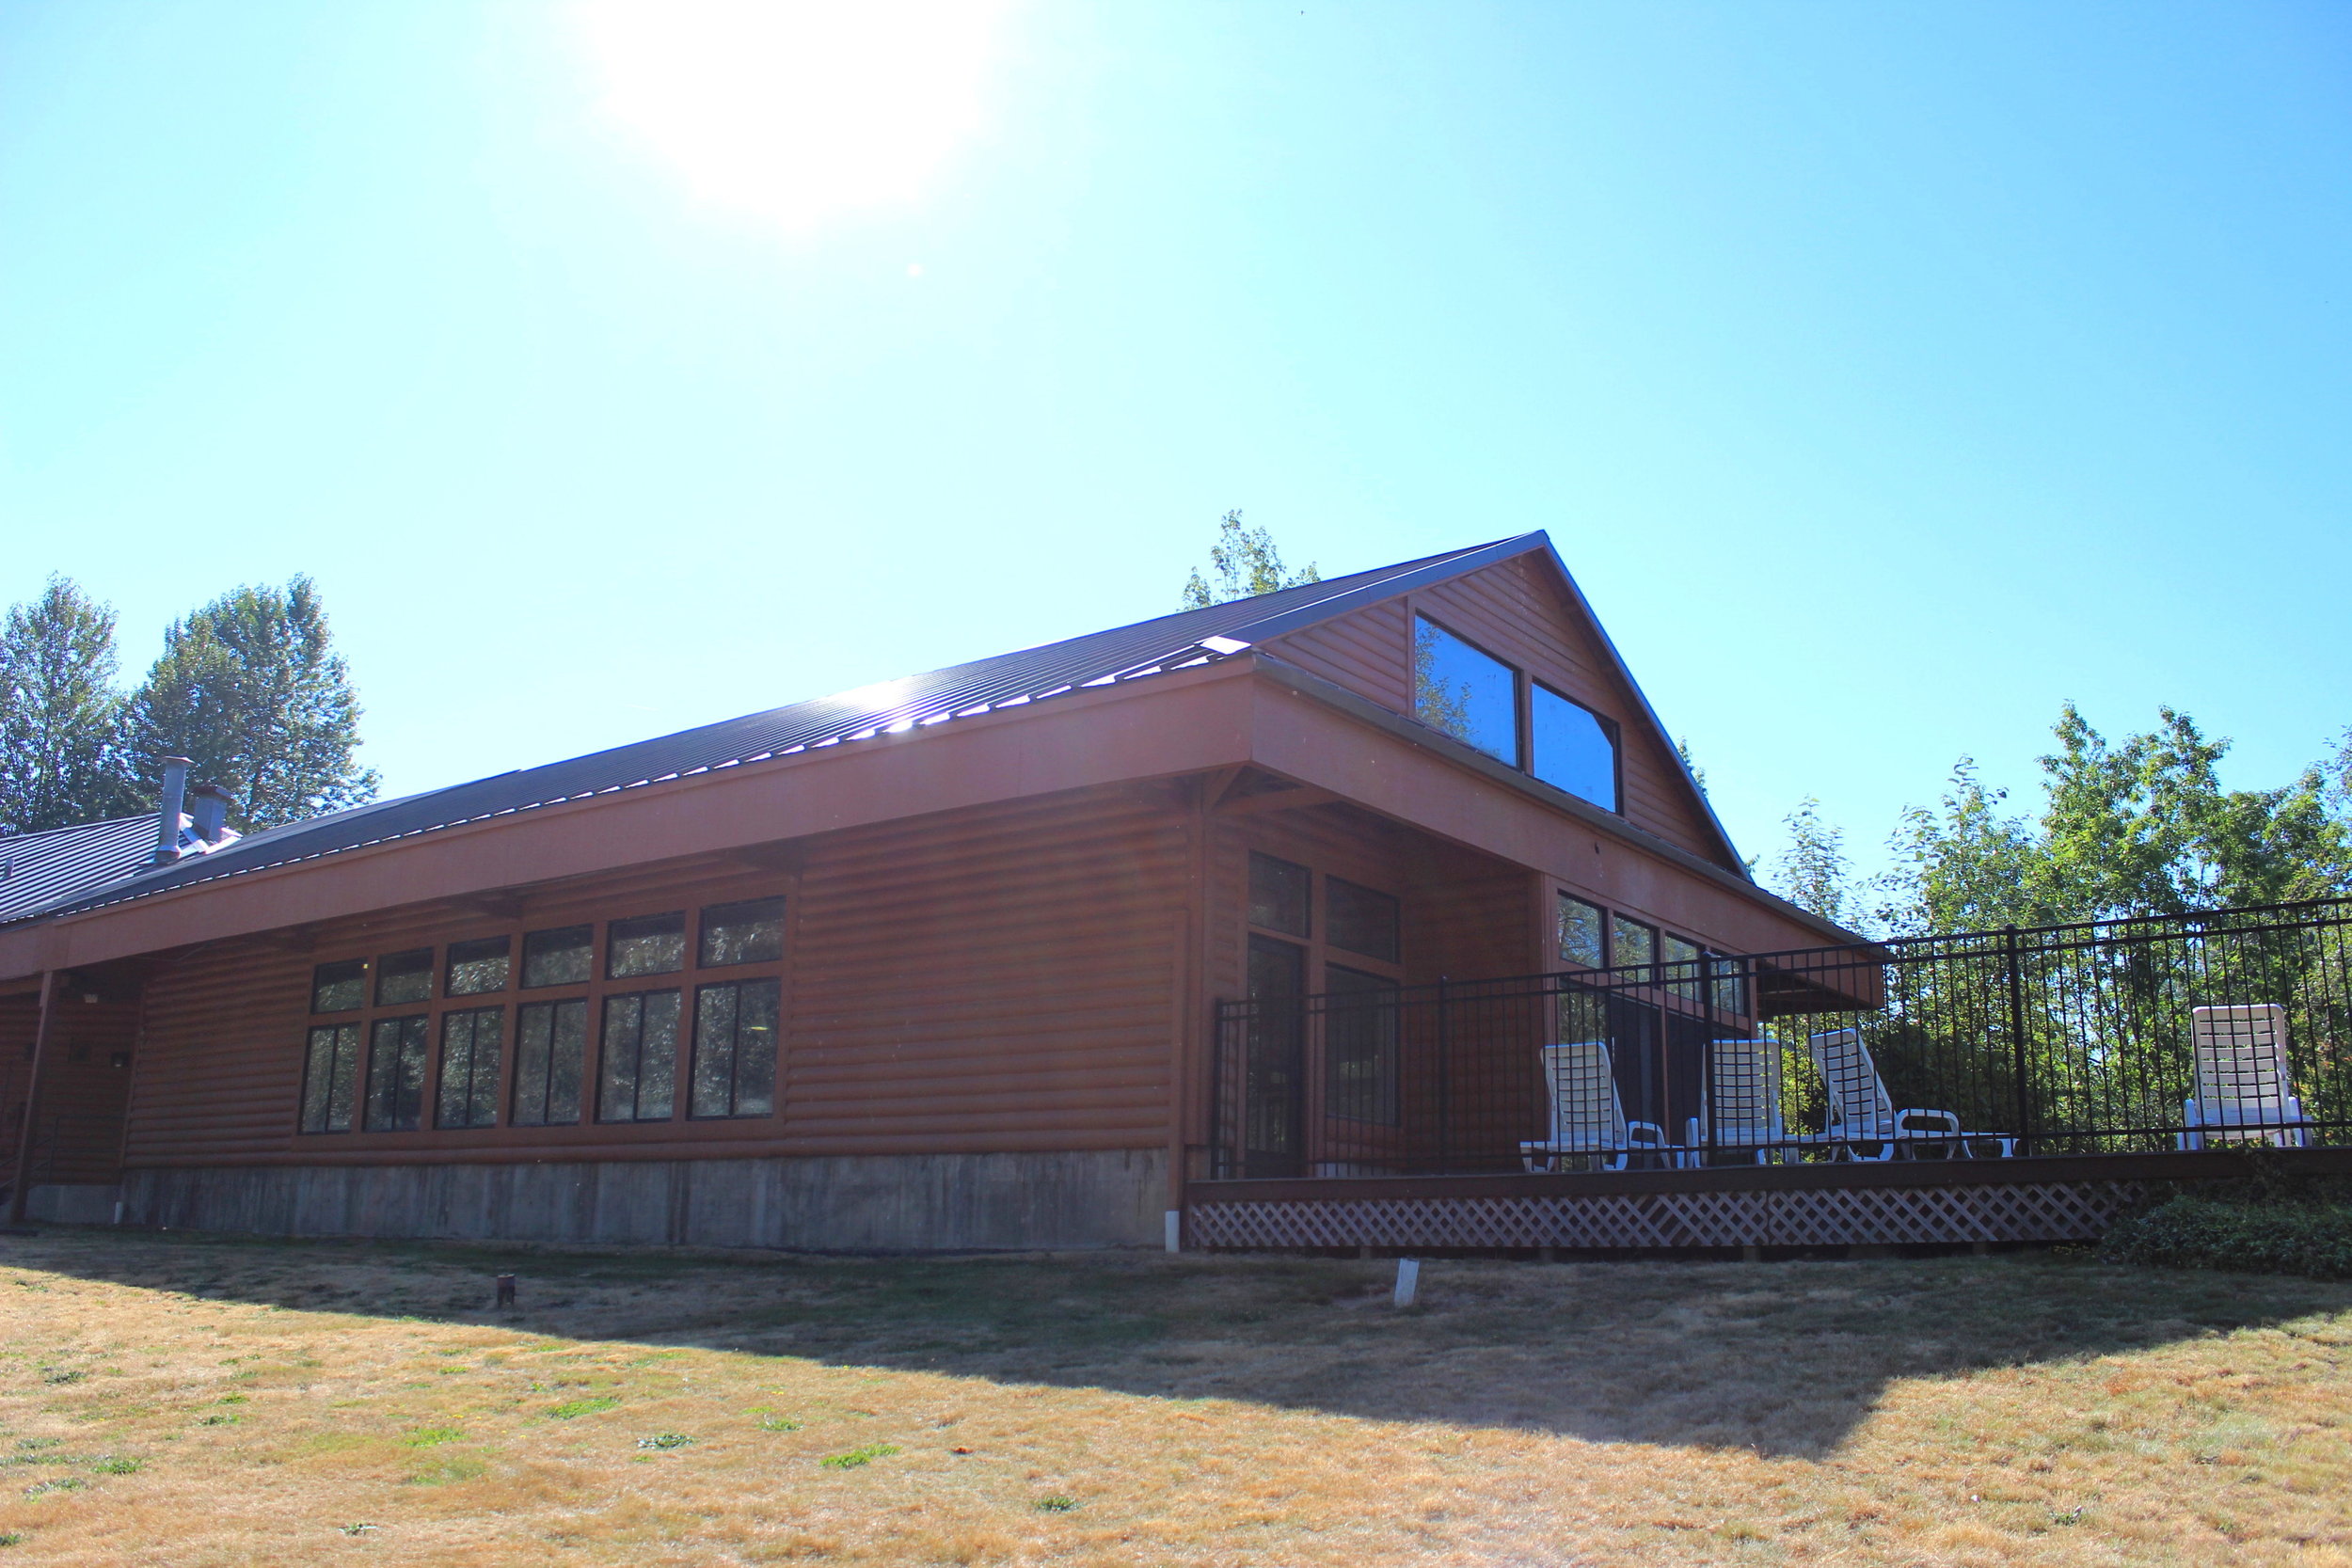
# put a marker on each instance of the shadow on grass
(1781, 1358)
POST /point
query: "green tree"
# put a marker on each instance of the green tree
(250, 688)
(1813, 873)
(1244, 565)
(60, 717)
(2140, 826)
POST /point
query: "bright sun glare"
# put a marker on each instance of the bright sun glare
(798, 110)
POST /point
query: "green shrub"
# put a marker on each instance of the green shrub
(2201, 1230)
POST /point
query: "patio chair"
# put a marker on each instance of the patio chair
(1861, 1111)
(1588, 1118)
(2242, 1086)
(1739, 1103)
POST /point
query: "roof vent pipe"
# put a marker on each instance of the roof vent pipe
(208, 811)
(167, 816)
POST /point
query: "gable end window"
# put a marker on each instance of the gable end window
(1574, 748)
(1466, 692)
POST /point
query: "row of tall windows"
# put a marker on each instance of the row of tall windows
(369, 1072)
(1594, 938)
(1474, 697)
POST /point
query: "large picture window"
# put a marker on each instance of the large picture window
(330, 1078)
(551, 1062)
(469, 1067)
(734, 1049)
(396, 1051)
(1468, 693)
(639, 1058)
(1573, 748)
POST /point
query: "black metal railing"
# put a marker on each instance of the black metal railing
(2111, 1037)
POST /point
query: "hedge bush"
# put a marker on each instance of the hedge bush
(2264, 1235)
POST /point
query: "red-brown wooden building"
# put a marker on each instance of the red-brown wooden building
(934, 964)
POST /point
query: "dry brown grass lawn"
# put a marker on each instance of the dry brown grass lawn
(207, 1401)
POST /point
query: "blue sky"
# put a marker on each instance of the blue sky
(1887, 374)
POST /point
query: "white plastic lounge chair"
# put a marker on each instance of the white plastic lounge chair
(1588, 1118)
(2242, 1086)
(1740, 1103)
(1860, 1112)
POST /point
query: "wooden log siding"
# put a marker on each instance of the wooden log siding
(1513, 613)
(1001, 980)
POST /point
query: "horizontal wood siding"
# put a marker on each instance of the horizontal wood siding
(84, 1084)
(999, 984)
(992, 980)
(1363, 652)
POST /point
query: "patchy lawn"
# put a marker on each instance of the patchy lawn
(199, 1401)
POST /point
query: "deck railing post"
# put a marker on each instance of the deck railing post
(2017, 1037)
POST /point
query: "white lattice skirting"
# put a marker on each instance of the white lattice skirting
(2020, 1211)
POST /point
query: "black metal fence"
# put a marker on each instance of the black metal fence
(2113, 1037)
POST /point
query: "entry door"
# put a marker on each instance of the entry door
(1275, 1101)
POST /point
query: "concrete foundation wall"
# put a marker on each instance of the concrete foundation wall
(88, 1203)
(901, 1202)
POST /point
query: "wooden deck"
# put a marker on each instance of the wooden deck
(1902, 1202)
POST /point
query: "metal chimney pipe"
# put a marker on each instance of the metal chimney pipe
(167, 815)
(208, 811)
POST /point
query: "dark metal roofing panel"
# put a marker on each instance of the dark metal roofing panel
(888, 708)
(39, 869)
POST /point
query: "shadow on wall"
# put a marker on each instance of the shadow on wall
(1783, 1358)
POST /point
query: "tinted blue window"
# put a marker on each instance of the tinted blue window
(1574, 749)
(1464, 692)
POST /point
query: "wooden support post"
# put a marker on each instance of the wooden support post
(41, 1031)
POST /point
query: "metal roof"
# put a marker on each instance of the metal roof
(37, 869)
(1182, 640)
